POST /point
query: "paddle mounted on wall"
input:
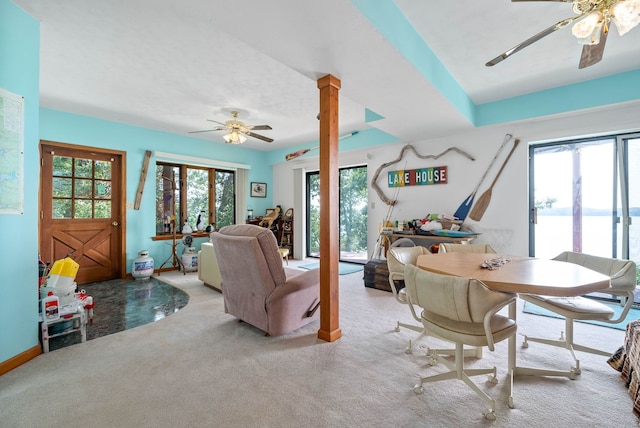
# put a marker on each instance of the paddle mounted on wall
(483, 201)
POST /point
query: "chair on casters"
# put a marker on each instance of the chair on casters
(447, 247)
(623, 284)
(397, 258)
(464, 311)
(403, 242)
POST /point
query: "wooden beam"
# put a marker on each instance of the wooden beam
(329, 193)
(143, 178)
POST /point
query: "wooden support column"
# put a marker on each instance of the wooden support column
(329, 194)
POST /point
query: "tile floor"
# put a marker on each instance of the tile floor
(123, 304)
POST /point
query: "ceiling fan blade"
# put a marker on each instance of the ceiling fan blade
(219, 123)
(205, 130)
(260, 137)
(592, 54)
(209, 130)
(260, 127)
(533, 39)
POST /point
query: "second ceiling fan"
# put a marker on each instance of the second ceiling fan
(237, 131)
(591, 31)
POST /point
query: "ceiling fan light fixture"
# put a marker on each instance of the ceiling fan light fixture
(626, 15)
(234, 137)
(588, 30)
(591, 27)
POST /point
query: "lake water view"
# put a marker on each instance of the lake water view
(554, 234)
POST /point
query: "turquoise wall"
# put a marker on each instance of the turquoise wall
(19, 74)
(135, 141)
(19, 70)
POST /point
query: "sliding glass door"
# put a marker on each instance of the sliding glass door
(629, 226)
(575, 194)
(352, 217)
(585, 197)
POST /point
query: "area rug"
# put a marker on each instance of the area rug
(343, 268)
(633, 315)
(123, 304)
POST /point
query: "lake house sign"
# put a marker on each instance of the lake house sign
(418, 177)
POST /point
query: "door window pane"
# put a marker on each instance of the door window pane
(573, 191)
(62, 208)
(82, 209)
(62, 187)
(74, 187)
(102, 209)
(352, 214)
(62, 166)
(83, 168)
(102, 189)
(580, 189)
(83, 188)
(313, 214)
(103, 170)
(634, 203)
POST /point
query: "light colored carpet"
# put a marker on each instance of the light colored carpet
(200, 367)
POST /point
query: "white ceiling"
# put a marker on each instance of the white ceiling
(172, 64)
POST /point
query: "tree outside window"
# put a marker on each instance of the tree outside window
(184, 191)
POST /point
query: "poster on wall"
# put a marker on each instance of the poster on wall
(11, 153)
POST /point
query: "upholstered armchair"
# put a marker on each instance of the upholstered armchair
(257, 289)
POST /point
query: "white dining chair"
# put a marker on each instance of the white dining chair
(463, 311)
(623, 285)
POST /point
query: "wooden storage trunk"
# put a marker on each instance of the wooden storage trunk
(376, 275)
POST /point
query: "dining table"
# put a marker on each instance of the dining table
(514, 274)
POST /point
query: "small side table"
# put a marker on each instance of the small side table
(79, 320)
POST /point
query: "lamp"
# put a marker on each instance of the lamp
(625, 14)
(250, 213)
(234, 137)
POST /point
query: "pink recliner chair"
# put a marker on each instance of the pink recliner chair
(257, 289)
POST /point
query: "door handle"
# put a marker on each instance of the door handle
(115, 223)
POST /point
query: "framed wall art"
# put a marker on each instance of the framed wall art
(258, 190)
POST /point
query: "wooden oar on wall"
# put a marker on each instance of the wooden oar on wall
(483, 201)
(292, 156)
(463, 210)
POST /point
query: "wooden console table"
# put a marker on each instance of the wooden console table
(427, 240)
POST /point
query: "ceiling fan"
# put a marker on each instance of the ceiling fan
(591, 31)
(237, 131)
